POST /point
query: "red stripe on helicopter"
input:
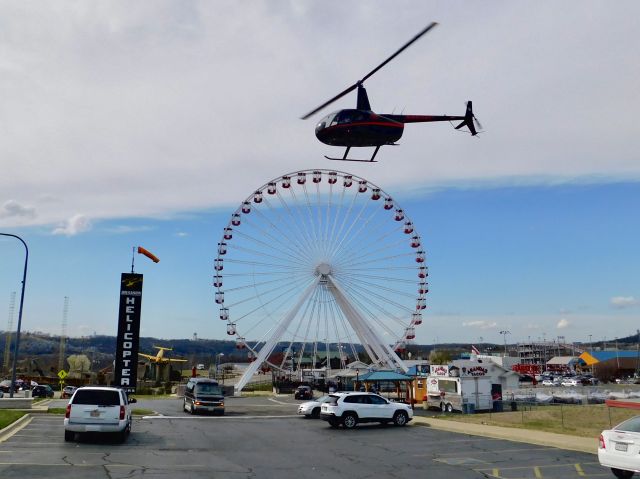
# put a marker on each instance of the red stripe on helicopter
(367, 123)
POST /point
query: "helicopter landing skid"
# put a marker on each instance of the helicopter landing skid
(344, 158)
(349, 159)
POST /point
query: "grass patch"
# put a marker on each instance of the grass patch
(143, 412)
(57, 410)
(8, 416)
(153, 396)
(576, 420)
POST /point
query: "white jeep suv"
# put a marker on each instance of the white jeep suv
(349, 409)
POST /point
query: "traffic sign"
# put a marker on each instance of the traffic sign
(62, 374)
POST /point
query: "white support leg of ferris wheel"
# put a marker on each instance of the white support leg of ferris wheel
(368, 337)
(267, 348)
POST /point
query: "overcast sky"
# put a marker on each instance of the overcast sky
(120, 118)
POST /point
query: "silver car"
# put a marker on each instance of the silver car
(312, 408)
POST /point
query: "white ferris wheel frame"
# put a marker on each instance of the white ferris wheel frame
(378, 349)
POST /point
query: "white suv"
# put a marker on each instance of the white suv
(349, 409)
(98, 409)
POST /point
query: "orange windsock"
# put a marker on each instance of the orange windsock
(148, 254)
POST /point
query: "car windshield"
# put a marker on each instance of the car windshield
(97, 396)
(323, 398)
(209, 389)
(630, 425)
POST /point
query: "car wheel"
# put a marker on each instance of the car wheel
(400, 418)
(449, 407)
(184, 405)
(349, 421)
(69, 436)
(443, 407)
(122, 435)
(621, 473)
(192, 409)
(315, 413)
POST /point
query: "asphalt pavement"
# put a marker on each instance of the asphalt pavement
(262, 437)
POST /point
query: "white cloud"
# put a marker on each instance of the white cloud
(181, 234)
(563, 323)
(73, 226)
(622, 302)
(124, 229)
(480, 324)
(144, 114)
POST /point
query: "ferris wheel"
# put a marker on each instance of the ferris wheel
(316, 269)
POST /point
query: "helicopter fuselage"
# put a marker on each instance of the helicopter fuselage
(358, 128)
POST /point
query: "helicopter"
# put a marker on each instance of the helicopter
(361, 127)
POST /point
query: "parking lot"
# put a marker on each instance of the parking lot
(263, 438)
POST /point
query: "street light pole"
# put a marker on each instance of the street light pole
(17, 346)
(504, 334)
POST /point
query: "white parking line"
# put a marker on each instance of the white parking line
(218, 418)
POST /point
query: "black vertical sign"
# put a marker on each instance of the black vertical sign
(128, 340)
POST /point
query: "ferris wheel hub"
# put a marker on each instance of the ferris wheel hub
(323, 269)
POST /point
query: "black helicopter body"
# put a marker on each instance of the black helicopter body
(361, 127)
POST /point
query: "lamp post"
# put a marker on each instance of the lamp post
(504, 335)
(218, 358)
(17, 346)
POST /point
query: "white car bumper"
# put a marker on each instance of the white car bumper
(618, 460)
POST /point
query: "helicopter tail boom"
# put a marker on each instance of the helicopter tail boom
(469, 120)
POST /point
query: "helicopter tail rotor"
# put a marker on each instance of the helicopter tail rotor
(470, 121)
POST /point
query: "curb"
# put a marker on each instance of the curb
(14, 427)
(541, 438)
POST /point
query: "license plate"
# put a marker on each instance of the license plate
(95, 413)
(621, 446)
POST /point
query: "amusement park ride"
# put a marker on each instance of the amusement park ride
(324, 265)
(361, 127)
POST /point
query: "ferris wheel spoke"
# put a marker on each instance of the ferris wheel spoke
(383, 258)
(351, 225)
(346, 331)
(284, 247)
(294, 240)
(345, 217)
(356, 236)
(381, 278)
(260, 263)
(339, 209)
(364, 306)
(288, 280)
(381, 243)
(306, 221)
(386, 288)
(267, 255)
(302, 240)
(263, 304)
(372, 297)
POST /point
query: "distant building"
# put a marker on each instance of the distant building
(608, 365)
(541, 352)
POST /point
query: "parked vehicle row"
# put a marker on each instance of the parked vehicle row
(568, 381)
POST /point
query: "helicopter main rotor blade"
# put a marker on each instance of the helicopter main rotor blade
(355, 85)
(329, 102)
(399, 51)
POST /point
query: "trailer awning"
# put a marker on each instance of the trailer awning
(384, 376)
